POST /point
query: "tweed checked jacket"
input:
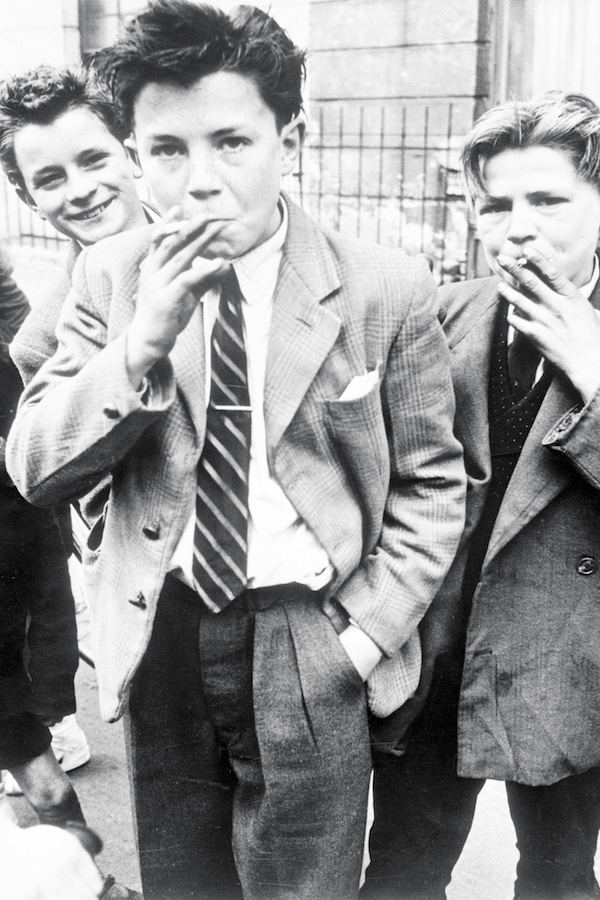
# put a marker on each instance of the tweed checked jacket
(530, 698)
(35, 341)
(379, 479)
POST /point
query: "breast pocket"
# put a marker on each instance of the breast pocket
(357, 430)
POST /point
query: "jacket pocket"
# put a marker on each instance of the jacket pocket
(358, 433)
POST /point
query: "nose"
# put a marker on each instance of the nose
(521, 225)
(80, 186)
(204, 179)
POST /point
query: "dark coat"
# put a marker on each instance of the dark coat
(530, 698)
(35, 593)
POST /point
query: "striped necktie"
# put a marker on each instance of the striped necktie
(221, 530)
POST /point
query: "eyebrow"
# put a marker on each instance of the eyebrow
(531, 195)
(550, 192)
(39, 174)
(220, 132)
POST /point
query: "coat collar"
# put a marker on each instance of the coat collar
(303, 329)
(539, 475)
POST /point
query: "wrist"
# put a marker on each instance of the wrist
(139, 359)
(362, 650)
(586, 382)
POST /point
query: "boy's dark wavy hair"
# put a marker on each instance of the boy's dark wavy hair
(567, 122)
(180, 41)
(41, 95)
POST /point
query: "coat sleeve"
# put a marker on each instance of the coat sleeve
(575, 436)
(79, 416)
(390, 592)
(35, 342)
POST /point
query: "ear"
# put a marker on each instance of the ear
(131, 150)
(292, 136)
(24, 195)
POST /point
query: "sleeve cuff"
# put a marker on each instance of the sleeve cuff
(563, 426)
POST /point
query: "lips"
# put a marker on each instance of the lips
(92, 213)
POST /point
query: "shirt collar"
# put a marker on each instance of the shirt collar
(252, 267)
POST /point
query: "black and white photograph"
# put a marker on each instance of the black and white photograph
(300, 450)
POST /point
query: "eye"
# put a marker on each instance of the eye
(233, 144)
(492, 207)
(49, 181)
(549, 201)
(96, 159)
(166, 150)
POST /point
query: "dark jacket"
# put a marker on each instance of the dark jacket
(35, 593)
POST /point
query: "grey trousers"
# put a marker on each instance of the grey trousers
(249, 751)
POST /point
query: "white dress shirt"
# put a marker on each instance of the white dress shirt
(281, 548)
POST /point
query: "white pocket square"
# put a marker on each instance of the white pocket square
(361, 385)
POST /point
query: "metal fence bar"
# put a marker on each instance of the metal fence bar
(380, 170)
(444, 206)
(424, 176)
(359, 176)
(402, 175)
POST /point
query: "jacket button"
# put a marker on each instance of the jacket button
(152, 531)
(587, 565)
(139, 601)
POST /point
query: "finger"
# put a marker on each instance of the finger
(549, 272)
(177, 235)
(204, 274)
(167, 227)
(525, 307)
(523, 278)
(180, 242)
(525, 326)
(190, 228)
(183, 258)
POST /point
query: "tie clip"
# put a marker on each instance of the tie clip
(221, 407)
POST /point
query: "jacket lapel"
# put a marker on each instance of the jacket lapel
(302, 330)
(471, 347)
(538, 476)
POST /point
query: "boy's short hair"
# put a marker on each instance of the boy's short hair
(181, 41)
(41, 95)
(565, 121)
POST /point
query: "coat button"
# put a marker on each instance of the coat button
(139, 601)
(152, 531)
(587, 565)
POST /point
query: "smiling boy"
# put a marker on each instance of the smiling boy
(61, 148)
(274, 407)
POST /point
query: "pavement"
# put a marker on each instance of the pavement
(101, 785)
